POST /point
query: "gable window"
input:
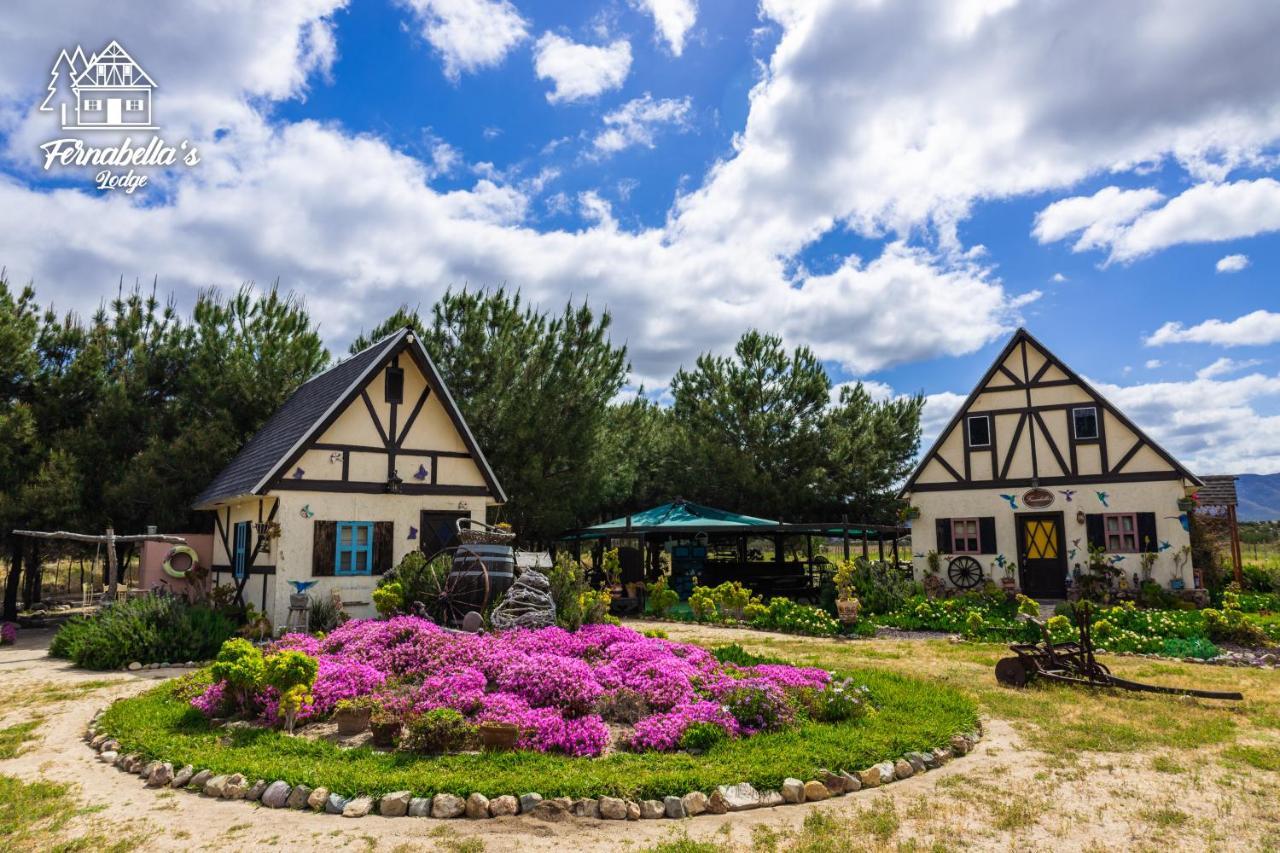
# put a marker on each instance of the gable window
(92, 104)
(395, 385)
(965, 538)
(353, 550)
(1085, 423)
(979, 430)
(126, 72)
(1120, 532)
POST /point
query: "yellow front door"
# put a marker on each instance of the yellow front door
(1040, 558)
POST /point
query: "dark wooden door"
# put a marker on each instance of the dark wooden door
(439, 530)
(1042, 558)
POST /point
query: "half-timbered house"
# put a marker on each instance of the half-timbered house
(362, 464)
(1035, 468)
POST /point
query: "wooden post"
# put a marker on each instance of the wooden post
(1236, 556)
(844, 531)
(865, 552)
(111, 563)
(880, 543)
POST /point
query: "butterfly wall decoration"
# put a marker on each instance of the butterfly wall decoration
(298, 473)
(306, 511)
(1012, 499)
(1102, 496)
(422, 473)
(1067, 494)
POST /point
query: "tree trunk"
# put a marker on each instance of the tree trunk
(112, 572)
(11, 583)
(31, 591)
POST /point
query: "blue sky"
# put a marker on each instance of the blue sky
(896, 185)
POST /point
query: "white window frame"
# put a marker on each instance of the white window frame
(93, 104)
(961, 537)
(1075, 424)
(968, 433)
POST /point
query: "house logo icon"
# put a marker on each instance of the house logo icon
(107, 91)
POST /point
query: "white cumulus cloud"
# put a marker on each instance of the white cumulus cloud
(579, 71)
(1232, 263)
(1128, 223)
(469, 34)
(1257, 328)
(672, 19)
(637, 121)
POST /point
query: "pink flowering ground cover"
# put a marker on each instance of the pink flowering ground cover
(585, 693)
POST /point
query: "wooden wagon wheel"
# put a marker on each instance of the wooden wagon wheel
(458, 586)
(965, 572)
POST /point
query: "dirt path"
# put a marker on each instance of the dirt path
(1000, 797)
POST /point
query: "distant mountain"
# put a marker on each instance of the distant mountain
(1259, 496)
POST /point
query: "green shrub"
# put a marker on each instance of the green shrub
(241, 666)
(149, 629)
(438, 731)
(702, 601)
(881, 588)
(734, 653)
(414, 580)
(661, 598)
(783, 614)
(1195, 647)
(325, 615)
(568, 582)
(702, 736)
(388, 598)
(291, 673)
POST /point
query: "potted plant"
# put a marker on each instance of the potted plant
(1010, 579)
(385, 724)
(498, 736)
(847, 604)
(352, 715)
(1147, 560)
(1186, 504)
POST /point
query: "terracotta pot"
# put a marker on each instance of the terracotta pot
(385, 735)
(847, 609)
(498, 735)
(352, 721)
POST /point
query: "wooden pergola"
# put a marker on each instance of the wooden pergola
(715, 546)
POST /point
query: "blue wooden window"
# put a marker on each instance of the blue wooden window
(353, 552)
(240, 559)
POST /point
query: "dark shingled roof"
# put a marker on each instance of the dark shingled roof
(291, 423)
(1218, 490)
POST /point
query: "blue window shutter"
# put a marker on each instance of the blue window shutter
(241, 559)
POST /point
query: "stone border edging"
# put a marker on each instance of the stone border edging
(724, 799)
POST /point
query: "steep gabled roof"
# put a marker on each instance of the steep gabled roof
(1020, 336)
(313, 406)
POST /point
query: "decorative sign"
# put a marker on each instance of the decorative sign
(1037, 498)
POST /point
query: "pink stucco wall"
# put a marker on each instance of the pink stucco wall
(153, 554)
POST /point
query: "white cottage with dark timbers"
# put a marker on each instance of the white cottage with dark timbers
(363, 464)
(1034, 468)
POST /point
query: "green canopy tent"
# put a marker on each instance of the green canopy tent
(711, 545)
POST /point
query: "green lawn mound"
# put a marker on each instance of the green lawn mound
(911, 715)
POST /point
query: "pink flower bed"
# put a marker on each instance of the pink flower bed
(550, 683)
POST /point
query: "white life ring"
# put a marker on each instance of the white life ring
(180, 551)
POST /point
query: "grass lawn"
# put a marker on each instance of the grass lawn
(912, 715)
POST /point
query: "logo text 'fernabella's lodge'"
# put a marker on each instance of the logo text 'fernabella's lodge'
(107, 90)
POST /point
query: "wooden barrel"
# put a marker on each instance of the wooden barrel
(471, 562)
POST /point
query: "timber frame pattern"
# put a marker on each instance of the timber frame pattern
(392, 436)
(1032, 426)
